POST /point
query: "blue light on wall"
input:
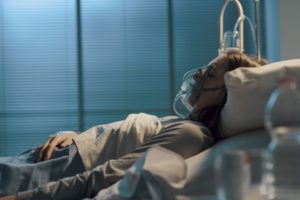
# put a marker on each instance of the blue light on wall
(134, 54)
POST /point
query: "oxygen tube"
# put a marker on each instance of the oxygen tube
(240, 42)
(235, 39)
(253, 33)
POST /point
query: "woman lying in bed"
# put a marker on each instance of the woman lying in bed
(75, 166)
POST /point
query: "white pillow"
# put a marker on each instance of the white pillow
(248, 91)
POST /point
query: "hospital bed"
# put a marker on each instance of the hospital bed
(241, 127)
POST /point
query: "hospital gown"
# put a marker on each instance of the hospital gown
(108, 151)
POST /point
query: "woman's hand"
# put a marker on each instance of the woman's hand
(8, 198)
(59, 140)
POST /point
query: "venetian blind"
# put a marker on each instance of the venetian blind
(66, 64)
(38, 84)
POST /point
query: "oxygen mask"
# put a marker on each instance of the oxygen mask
(191, 90)
(183, 107)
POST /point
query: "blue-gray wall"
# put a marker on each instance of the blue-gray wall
(289, 18)
(69, 65)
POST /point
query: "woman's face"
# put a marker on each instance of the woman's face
(214, 79)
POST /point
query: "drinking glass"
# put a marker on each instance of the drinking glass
(232, 172)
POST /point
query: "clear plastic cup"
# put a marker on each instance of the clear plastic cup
(232, 172)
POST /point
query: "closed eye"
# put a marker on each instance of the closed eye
(211, 74)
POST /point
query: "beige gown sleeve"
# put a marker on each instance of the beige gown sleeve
(111, 141)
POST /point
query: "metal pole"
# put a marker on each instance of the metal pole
(256, 2)
(80, 67)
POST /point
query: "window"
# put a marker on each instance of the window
(125, 56)
(38, 85)
(70, 67)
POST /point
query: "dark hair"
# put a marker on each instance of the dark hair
(237, 59)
